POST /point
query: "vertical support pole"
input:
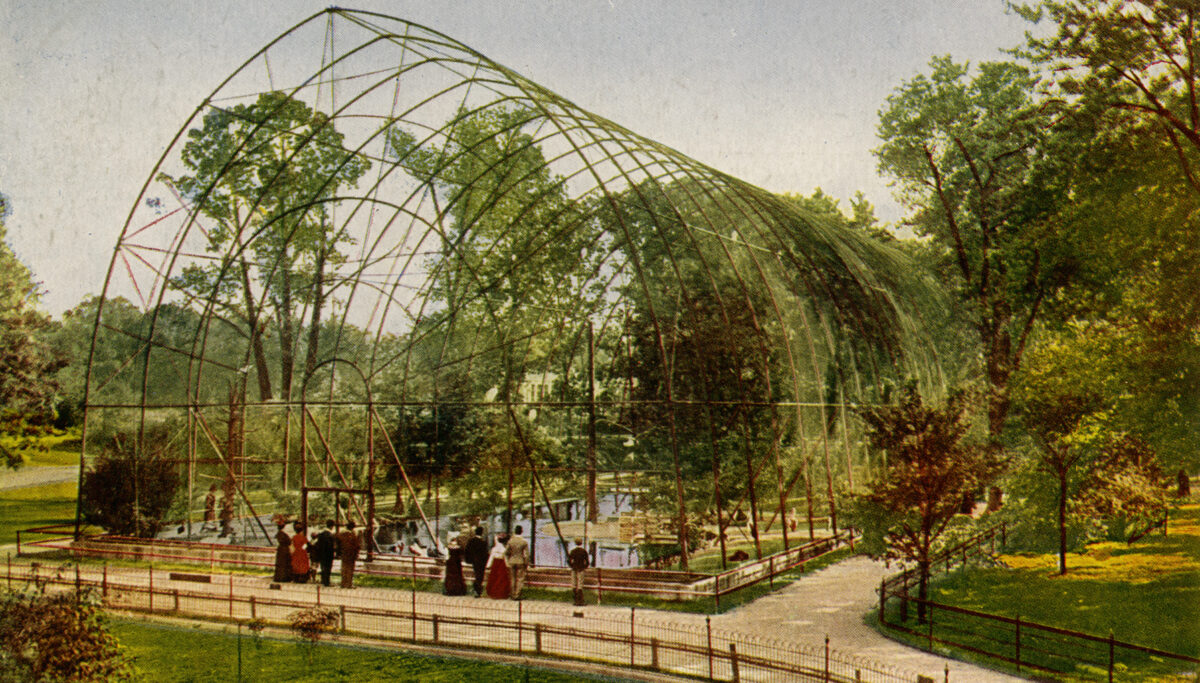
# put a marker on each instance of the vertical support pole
(599, 583)
(150, 573)
(632, 640)
(318, 595)
(176, 594)
(520, 624)
(708, 628)
(717, 593)
(537, 638)
(413, 606)
(947, 679)
(231, 596)
(253, 608)
(435, 628)
(342, 615)
(103, 580)
(733, 662)
(771, 567)
(592, 502)
(654, 653)
(369, 534)
(826, 658)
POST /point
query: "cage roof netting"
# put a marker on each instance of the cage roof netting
(368, 211)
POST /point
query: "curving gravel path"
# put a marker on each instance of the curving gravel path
(832, 602)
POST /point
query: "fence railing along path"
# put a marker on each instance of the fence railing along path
(610, 635)
(1039, 649)
(669, 585)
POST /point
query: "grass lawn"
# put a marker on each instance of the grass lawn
(35, 506)
(181, 654)
(60, 450)
(1147, 593)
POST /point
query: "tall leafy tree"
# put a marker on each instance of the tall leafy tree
(965, 149)
(264, 174)
(27, 361)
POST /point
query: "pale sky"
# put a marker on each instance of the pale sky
(784, 94)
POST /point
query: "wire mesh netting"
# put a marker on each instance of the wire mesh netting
(377, 268)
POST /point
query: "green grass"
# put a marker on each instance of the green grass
(35, 506)
(57, 450)
(1147, 593)
(183, 654)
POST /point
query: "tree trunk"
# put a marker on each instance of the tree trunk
(1062, 523)
(314, 324)
(922, 589)
(261, 371)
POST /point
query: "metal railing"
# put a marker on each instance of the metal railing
(613, 637)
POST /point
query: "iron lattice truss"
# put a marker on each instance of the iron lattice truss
(391, 258)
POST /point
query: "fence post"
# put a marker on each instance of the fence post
(717, 593)
(176, 593)
(733, 663)
(708, 627)
(827, 658)
(435, 628)
(318, 595)
(632, 650)
(254, 608)
(1018, 643)
(947, 673)
(414, 606)
(537, 638)
(654, 653)
(771, 569)
(151, 574)
(231, 596)
(342, 614)
(520, 624)
(882, 601)
(103, 581)
(1110, 656)
(929, 607)
(599, 584)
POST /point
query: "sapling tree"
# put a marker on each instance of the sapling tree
(931, 464)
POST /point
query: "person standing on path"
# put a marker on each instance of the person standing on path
(210, 510)
(577, 560)
(348, 546)
(454, 583)
(516, 554)
(476, 553)
(321, 551)
(283, 558)
(498, 584)
(227, 513)
(300, 563)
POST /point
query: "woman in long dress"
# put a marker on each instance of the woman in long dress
(497, 570)
(283, 555)
(454, 584)
(300, 565)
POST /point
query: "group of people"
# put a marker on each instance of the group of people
(297, 559)
(501, 570)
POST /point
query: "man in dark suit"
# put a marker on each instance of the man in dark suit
(477, 555)
(321, 551)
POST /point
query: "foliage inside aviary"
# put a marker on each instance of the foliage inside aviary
(132, 485)
(262, 176)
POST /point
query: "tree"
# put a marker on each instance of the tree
(27, 361)
(61, 638)
(1069, 396)
(129, 491)
(965, 151)
(1132, 59)
(266, 174)
(930, 465)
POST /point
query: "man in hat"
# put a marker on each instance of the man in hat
(516, 555)
(577, 560)
(348, 544)
(476, 554)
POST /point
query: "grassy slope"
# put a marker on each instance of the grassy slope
(213, 656)
(35, 506)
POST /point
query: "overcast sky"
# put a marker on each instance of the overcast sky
(784, 94)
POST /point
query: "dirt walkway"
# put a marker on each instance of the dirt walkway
(37, 476)
(832, 602)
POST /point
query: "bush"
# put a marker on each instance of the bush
(61, 637)
(129, 491)
(311, 623)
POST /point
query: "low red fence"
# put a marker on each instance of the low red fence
(1027, 645)
(610, 637)
(668, 585)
